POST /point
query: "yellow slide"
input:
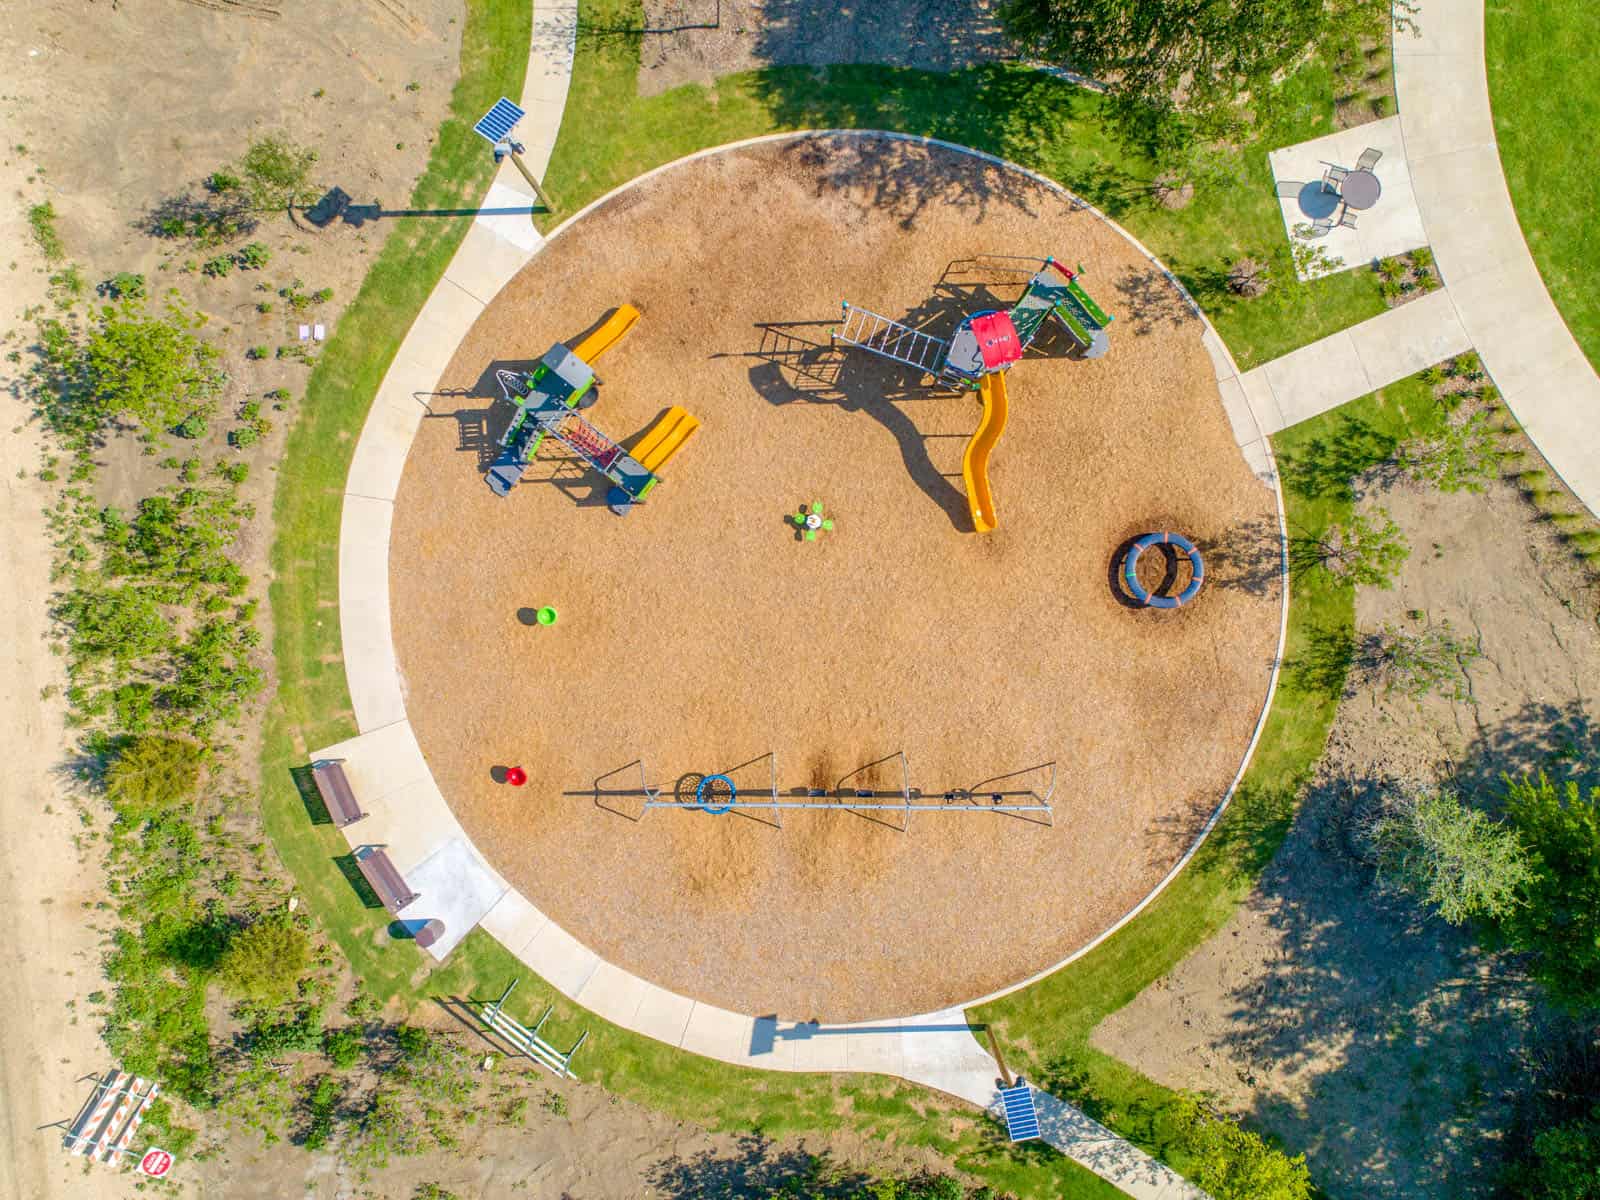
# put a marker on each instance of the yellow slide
(602, 339)
(975, 463)
(665, 438)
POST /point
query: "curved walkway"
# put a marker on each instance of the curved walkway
(409, 817)
(1442, 83)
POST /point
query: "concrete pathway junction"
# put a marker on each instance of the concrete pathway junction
(1493, 301)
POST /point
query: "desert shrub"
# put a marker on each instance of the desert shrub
(243, 437)
(254, 256)
(277, 172)
(217, 266)
(42, 224)
(273, 1033)
(153, 774)
(1455, 859)
(220, 183)
(1416, 663)
(192, 427)
(264, 961)
(124, 285)
(1559, 923)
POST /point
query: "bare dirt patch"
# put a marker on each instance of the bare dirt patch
(698, 634)
(695, 41)
(1387, 1047)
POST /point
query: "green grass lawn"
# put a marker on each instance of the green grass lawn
(1049, 1023)
(1546, 95)
(610, 134)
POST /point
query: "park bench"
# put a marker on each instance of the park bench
(334, 788)
(385, 880)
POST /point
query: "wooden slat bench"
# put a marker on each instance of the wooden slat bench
(386, 881)
(334, 788)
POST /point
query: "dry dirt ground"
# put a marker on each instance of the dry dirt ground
(695, 41)
(600, 1148)
(1388, 1047)
(699, 634)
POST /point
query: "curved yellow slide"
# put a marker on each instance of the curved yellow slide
(975, 463)
(602, 339)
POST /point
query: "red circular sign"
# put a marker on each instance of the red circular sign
(155, 1163)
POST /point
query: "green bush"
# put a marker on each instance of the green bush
(322, 1102)
(343, 1046)
(254, 256)
(128, 364)
(1232, 1163)
(256, 353)
(1559, 921)
(124, 285)
(1366, 551)
(42, 222)
(193, 426)
(1422, 256)
(277, 172)
(220, 183)
(264, 961)
(1453, 858)
(1565, 1163)
(154, 774)
(218, 266)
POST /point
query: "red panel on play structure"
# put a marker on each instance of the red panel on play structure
(1065, 272)
(997, 340)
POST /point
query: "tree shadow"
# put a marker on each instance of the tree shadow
(1392, 1045)
(754, 1166)
(1246, 557)
(797, 362)
(1328, 466)
(1152, 298)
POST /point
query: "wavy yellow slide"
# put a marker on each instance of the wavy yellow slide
(975, 463)
(602, 339)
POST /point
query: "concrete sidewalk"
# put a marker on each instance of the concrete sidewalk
(1353, 362)
(1443, 89)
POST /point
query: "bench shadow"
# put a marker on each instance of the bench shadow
(358, 882)
(305, 785)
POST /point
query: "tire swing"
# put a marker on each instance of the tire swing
(1179, 547)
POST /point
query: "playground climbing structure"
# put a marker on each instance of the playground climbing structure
(547, 400)
(983, 347)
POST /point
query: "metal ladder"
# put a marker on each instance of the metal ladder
(892, 340)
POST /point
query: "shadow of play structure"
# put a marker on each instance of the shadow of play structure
(984, 345)
(547, 400)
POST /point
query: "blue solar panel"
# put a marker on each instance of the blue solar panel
(1022, 1121)
(499, 120)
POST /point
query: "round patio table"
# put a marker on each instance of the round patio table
(1360, 189)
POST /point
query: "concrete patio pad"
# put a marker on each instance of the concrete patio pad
(1391, 226)
(455, 886)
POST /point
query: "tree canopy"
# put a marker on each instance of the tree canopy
(1196, 70)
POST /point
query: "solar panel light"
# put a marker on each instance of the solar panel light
(495, 127)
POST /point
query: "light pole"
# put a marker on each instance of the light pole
(495, 127)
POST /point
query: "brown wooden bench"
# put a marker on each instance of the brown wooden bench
(386, 881)
(334, 788)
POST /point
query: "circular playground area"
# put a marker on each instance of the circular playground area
(706, 634)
